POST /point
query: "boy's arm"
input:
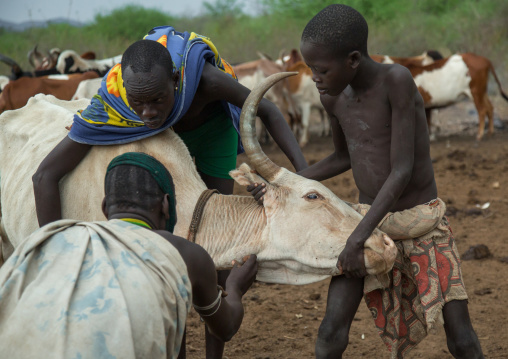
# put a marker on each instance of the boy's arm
(278, 128)
(224, 319)
(60, 161)
(219, 86)
(338, 162)
(401, 95)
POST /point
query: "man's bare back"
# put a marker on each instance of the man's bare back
(364, 120)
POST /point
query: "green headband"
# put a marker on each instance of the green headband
(158, 172)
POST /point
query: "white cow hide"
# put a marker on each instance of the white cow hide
(297, 234)
(87, 89)
(446, 84)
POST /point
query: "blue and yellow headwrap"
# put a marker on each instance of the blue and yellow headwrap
(109, 119)
(159, 173)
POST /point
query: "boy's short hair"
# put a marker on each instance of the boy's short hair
(143, 55)
(129, 186)
(138, 180)
(340, 26)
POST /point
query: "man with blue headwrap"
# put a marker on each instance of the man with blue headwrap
(168, 79)
(72, 289)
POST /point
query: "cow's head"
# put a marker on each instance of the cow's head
(41, 62)
(305, 219)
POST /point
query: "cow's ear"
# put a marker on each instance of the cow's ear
(245, 176)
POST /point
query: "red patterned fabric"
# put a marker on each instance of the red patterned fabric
(425, 276)
(420, 285)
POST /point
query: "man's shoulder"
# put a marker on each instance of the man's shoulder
(195, 257)
(185, 247)
(213, 81)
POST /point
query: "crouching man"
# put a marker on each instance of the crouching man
(118, 288)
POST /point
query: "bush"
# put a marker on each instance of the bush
(397, 27)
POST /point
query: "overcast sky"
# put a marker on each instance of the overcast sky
(17, 11)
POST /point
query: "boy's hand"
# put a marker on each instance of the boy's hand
(352, 261)
(257, 191)
(243, 275)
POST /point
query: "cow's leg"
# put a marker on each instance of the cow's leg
(489, 109)
(428, 114)
(326, 130)
(304, 138)
(460, 336)
(479, 102)
(344, 297)
(295, 122)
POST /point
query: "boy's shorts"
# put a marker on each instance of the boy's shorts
(213, 145)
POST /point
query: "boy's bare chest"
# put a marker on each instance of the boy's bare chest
(365, 118)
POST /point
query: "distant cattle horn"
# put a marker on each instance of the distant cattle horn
(15, 68)
(263, 55)
(8, 61)
(259, 160)
(35, 57)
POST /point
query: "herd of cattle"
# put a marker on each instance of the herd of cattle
(441, 82)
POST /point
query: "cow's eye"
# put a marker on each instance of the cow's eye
(312, 195)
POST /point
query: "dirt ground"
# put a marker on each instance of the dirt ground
(282, 321)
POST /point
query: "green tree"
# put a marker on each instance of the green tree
(129, 23)
(223, 8)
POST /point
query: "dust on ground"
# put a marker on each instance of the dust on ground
(282, 321)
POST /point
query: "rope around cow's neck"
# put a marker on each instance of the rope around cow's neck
(198, 213)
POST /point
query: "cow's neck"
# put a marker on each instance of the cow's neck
(230, 228)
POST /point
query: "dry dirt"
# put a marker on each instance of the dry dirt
(282, 321)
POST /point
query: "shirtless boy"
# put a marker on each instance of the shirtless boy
(380, 133)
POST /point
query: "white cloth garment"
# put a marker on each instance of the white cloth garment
(78, 290)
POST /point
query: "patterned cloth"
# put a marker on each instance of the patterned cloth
(110, 120)
(425, 276)
(79, 290)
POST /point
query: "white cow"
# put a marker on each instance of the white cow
(87, 89)
(252, 73)
(70, 61)
(427, 58)
(297, 234)
(444, 84)
(306, 97)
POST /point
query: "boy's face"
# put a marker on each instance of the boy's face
(330, 72)
(150, 94)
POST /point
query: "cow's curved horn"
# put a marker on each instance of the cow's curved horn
(15, 68)
(35, 57)
(259, 160)
(8, 61)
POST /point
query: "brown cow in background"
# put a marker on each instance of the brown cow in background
(16, 93)
(445, 81)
